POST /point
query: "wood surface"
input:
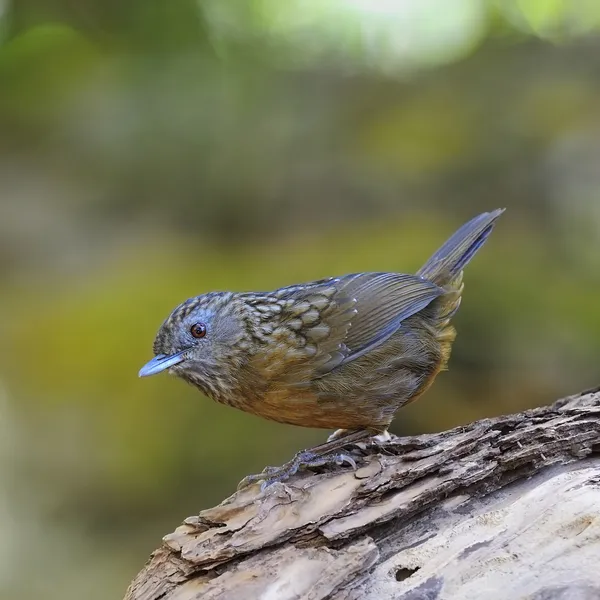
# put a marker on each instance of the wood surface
(503, 508)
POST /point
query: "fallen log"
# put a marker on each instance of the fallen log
(502, 508)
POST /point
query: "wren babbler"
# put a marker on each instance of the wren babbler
(343, 353)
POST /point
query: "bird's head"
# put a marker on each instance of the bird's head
(204, 340)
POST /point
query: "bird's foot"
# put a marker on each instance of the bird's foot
(304, 459)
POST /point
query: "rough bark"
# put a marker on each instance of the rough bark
(502, 508)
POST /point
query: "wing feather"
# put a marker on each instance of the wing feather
(325, 324)
(382, 302)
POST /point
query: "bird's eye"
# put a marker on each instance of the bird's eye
(198, 330)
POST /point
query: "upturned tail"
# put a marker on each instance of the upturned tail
(446, 265)
(445, 268)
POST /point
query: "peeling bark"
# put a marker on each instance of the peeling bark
(502, 508)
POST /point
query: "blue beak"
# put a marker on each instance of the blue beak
(161, 362)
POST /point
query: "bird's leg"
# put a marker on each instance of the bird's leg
(340, 434)
(337, 434)
(304, 459)
(324, 454)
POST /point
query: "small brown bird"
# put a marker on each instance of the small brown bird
(340, 353)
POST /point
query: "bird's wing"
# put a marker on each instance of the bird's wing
(330, 322)
(382, 302)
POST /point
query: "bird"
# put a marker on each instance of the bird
(342, 353)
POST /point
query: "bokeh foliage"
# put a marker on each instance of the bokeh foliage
(151, 151)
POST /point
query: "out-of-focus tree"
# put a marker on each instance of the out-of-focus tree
(151, 151)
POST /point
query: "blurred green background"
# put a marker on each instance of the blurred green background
(151, 151)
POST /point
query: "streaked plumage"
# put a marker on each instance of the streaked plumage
(344, 352)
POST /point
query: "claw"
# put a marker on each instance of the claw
(271, 475)
(342, 459)
(250, 479)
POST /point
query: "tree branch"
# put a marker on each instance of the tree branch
(497, 509)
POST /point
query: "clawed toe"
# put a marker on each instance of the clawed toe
(305, 459)
(266, 473)
(249, 480)
(342, 459)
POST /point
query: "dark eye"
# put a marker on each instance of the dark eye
(198, 330)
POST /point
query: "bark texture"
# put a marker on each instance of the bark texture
(502, 508)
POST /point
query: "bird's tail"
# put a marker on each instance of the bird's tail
(445, 268)
(446, 265)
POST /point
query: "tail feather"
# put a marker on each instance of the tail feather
(445, 268)
(446, 264)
